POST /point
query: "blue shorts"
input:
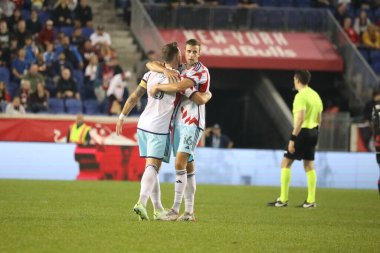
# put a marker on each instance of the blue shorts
(185, 139)
(153, 145)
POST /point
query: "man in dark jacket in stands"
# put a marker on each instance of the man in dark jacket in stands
(215, 138)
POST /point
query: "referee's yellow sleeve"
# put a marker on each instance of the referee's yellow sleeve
(143, 84)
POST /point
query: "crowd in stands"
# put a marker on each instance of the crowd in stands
(53, 59)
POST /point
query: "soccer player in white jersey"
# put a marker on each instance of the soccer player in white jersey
(188, 127)
(153, 130)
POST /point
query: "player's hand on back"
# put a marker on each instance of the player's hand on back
(153, 90)
(170, 73)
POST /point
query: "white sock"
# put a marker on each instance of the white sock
(155, 197)
(179, 188)
(147, 183)
(191, 187)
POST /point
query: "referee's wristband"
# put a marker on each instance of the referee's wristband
(293, 137)
(122, 116)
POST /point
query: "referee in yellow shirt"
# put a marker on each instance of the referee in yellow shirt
(307, 117)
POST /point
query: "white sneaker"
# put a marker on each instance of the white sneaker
(186, 217)
(159, 214)
(169, 215)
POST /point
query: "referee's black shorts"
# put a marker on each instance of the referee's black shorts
(304, 145)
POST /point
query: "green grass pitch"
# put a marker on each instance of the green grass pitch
(61, 216)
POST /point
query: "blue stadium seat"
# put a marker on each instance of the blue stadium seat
(303, 3)
(67, 30)
(376, 67)
(91, 107)
(56, 105)
(374, 56)
(3, 105)
(286, 3)
(79, 78)
(268, 3)
(43, 16)
(25, 14)
(4, 75)
(73, 106)
(364, 52)
(87, 31)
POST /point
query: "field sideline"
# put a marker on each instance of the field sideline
(72, 216)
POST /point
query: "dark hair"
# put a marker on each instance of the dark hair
(193, 42)
(169, 51)
(303, 76)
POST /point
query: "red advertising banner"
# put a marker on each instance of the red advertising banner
(53, 128)
(261, 50)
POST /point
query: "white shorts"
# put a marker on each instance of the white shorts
(153, 145)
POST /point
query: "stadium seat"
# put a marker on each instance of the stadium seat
(374, 56)
(67, 30)
(73, 106)
(56, 105)
(87, 31)
(43, 16)
(376, 67)
(302, 3)
(79, 79)
(364, 52)
(4, 75)
(268, 3)
(3, 105)
(286, 3)
(91, 107)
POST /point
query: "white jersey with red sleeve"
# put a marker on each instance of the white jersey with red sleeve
(158, 113)
(190, 113)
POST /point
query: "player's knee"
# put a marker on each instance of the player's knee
(190, 168)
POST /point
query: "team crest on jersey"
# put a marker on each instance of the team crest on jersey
(159, 95)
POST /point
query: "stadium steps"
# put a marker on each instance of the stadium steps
(127, 51)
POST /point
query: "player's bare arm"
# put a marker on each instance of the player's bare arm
(128, 106)
(159, 67)
(201, 98)
(172, 87)
(297, 129)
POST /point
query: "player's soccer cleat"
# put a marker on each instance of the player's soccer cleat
(159, 214)
(186, 217)
(170, 215)
(308, 205)
(140, 210)
(278, 203)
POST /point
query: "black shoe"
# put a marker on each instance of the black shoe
(278, 203)
(308, 205)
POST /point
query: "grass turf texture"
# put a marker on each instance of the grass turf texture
(58, 216)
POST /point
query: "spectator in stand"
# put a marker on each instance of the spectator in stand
(31, 51)
(37, 4)
(39, 99)
(116, 92)
(13, 20)
(362, 4)
(15, 107)
(351, 33)
(49, 5)
(54, 72)
(21, 34)
(47, 34)
(371, 38)
(5, 39)
(24, 94)
(215, 138)
(33, 77)
(141, 68)
(71, 52)
(42, 69)
(19, 66)
(361, 23)
(91, 77)
(8, 7)
(100, 37)
(33, 25)
(13, 50)
(341, 12)
(62, 14)
(105, 74)
(77, 39)
(49, 54)
(72, 4)
(5, 97)
(322, 3)
(83, 13)
(67, 87)
(106, 53)
(87, 52)
(4, 59)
